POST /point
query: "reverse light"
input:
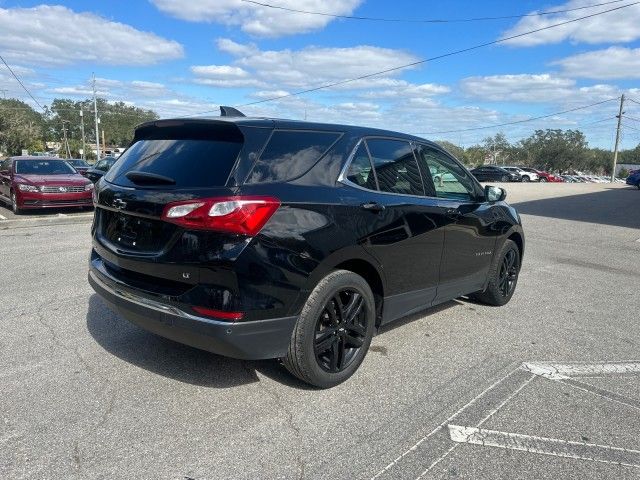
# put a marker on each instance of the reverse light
(244, 215)
(219, 314)
(23, 187)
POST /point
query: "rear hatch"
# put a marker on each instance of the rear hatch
(169, 161)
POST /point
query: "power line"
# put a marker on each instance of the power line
(419, 62)
(410, 20)
(624, 125)
(516, 122)
(634, 101)
(631, 118)
(21, 84)
(597, 121)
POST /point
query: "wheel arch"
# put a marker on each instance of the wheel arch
(356, 260)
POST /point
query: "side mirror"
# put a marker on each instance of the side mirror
(494, 194)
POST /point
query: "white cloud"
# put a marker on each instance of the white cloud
(613, 62)
(298, 69)
(56, 35)
(617, 26)
(257, 19)
(111, 89)
(518, 88)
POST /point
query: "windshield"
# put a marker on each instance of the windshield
(43, 167)
(78, 163)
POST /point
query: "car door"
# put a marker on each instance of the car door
(481, 173)
(395, 223)
(470, 232)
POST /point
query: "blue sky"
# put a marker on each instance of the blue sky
(182, 58)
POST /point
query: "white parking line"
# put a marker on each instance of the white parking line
(559, 371)
(2, 217)
(546, 446)
(479, 424)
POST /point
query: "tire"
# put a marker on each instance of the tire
(504, 178)
(543, 180)
(321, 325)
(14, 205)
(526, 178)
(496, 294)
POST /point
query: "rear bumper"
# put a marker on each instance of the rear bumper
(247, 340)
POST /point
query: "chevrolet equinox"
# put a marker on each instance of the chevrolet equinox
(261, 238)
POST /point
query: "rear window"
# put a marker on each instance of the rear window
(289, 154)
(193, 157)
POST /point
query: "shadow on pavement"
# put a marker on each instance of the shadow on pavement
(611, 206)
(175, 360)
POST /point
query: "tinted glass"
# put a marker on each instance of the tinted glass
(449, 179)
(360, 171)
(289, 154)
(396, 167)
(78, 163)
(192, 163)
(43, 167)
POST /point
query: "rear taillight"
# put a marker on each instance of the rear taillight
(242, 215)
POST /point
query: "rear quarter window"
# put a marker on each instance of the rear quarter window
(289, 154)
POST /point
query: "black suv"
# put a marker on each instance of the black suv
(267, 238)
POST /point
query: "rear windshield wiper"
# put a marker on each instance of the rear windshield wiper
(146, 178)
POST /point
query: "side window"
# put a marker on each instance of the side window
(395, 166)
(4, 165)
(101, 165)
(289, 154)
(360, 171)
(450, 180)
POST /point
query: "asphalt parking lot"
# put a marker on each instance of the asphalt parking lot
(545, 387)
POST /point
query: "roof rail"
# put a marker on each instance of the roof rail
(230, 112)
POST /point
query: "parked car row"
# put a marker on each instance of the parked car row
(494, 173)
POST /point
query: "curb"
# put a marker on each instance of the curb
(60, 219)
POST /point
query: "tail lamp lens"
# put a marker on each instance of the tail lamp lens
(244, 215)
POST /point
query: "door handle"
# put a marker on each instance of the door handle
(453, 213)
(374, 207)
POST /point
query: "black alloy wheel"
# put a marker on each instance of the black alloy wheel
(543, 180)
(334, 330)
(504, 178)
(503, 276)
(508, 273)
(525, 178)
(340, 331)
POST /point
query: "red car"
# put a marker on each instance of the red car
(42, 182)
(544, 176)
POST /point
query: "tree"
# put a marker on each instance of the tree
(498, 147)
(21, 127)
(118, 120)
(452, 148)
(557, 150)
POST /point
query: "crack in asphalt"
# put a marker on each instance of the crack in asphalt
(301, 465)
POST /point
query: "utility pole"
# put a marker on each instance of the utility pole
(84, 147)
(67, 150)
(615, 150)
(95, 112)
(104, 145)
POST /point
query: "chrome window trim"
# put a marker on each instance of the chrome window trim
(342, 177)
